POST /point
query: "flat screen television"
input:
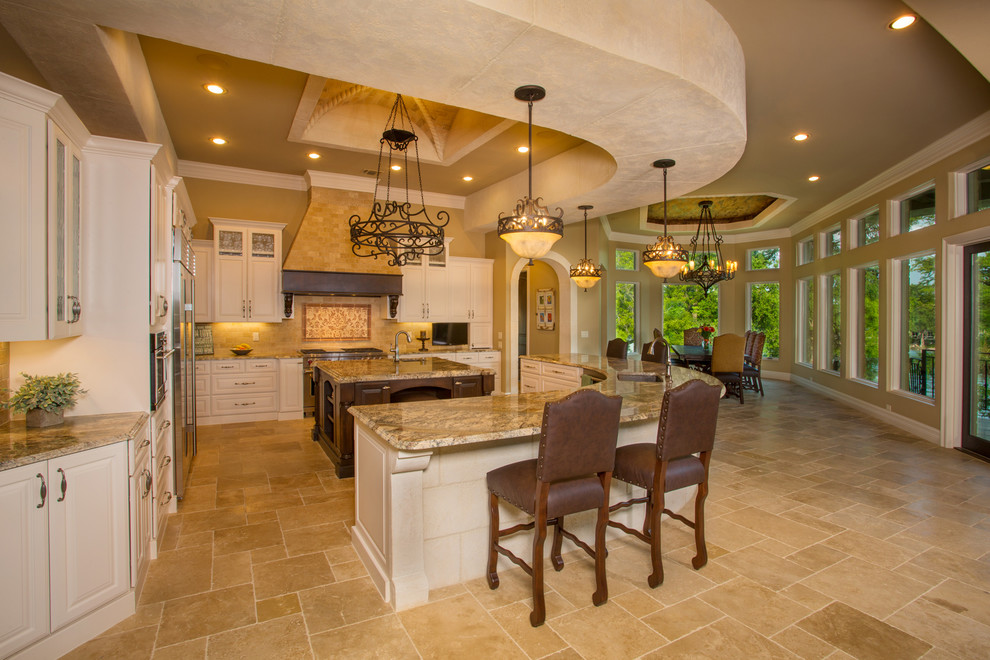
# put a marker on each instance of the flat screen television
(450, 334)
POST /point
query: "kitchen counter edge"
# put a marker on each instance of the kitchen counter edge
(20, 445)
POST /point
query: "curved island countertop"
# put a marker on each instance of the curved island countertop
(355, 371)
(426, 425)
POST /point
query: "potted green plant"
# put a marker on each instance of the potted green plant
(43, 399)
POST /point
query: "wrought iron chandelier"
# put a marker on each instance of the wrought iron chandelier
(531, 230)
(586, 274)
(706, 267)
(665, 258)
(393, 228)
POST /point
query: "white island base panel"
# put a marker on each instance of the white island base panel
(421, 518)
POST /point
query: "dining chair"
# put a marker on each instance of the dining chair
(727, 362)
(656, 351)
(692, 337)
(750, 335)
(688, 418)
(572, 473)
(753, 364)
(617, 348)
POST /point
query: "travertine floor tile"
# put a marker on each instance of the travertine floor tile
(865, 586)
(765, 568)
(280, 638)
(683, 618)
(607, 631)
(383, 638)
(192, 650)
(292, 574)
(340, 604)
(276, 607)
(861, 635)
(536, 642)
(137, 644)
(206, 614)
(803, 644)
(726, 638)
(457, 627)
(962, 598)
(944, 628)
(179, 573)
(246, 537)
(762, 609)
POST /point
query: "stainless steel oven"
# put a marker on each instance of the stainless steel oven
(311, 355)
(159, 368)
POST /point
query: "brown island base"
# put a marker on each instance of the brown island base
(340, 385)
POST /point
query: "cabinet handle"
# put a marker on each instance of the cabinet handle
(161, 427)
(245, 383)
(147, 483)
(167, 499)
(244, 308)
(65, 485)
(250, 403)
(144, 443)
(44, 491)
(76, 309)
(250, 313)
(386, 387)
(457, 382)
(164, 463)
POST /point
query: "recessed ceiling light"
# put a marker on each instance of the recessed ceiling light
(218, 140)
(214, 88)
(314, 155)
(902, 22)
(813, 177)
(801, 137)
(522, 150)
(468, 178)
(396, 168)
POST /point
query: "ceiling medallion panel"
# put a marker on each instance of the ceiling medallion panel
(730, 209)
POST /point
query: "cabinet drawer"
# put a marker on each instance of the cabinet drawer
(554, 384)
(252, 403)
(529, 383)
(136, 448)
(227, 366)
(234, 383)
(529, 367)
(202, 407)
(260, 365)
(202, 367)
(562, 372)
(464, 358)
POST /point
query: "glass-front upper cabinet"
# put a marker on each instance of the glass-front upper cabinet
(65, 224)
(247, 269)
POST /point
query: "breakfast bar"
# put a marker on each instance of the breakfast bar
(421, 518)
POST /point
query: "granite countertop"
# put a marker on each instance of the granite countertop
(424, 425)
(20, 445)
(461, 348)
(353, 371)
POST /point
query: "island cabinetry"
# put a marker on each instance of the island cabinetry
(65, 543)
(290, 388)
(539, 376)
(486, 359)
(466, 386)
(41, 171)
(247, 266)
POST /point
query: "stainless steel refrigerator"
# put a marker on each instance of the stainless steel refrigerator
(183, 361)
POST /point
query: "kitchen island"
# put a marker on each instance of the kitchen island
(342, 384)
(421, 519)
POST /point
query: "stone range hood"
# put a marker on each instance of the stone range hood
(323, 283)
(320, 261)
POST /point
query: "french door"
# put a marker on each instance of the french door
(976, 357)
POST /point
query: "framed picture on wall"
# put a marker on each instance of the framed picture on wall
(541, 298)
(549, 297)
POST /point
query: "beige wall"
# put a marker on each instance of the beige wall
(4, 379)
(541, 342)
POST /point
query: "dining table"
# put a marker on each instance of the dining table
(693, 356)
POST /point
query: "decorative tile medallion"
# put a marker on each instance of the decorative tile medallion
(328, 321)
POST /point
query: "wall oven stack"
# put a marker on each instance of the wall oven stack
(311, 355)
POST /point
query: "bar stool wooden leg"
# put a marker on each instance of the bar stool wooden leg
(656, 577)
(492, 576)
(558, 540)
(601, 593)
(539, 613)
(699, 524)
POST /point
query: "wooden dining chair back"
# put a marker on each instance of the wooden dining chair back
(727, 362)
(616, 348)
(688, 418)
(572, 473)
(692, 337)
(750, 336)
(752, 378)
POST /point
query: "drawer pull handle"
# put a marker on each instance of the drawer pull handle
(167, 498)
(65, 485)
(246, 383)
(249, 403)
(144, 443)
(164, 463)
(164, 425)
(147, 484)
(44, 491)
(457, 382)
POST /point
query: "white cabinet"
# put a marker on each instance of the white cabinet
(24, 547)
(247, 267)
(470, 289)
(65, 541)
(141, 512)
(204, 280)
(160, 256)
(162, 448)
(487, 359)
(539, 376)
(290, 388)
(41, 170)
(424, 294)
(244, 390)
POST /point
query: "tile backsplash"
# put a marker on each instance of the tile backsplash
(287, 337)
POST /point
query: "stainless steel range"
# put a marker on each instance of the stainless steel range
(311, 355)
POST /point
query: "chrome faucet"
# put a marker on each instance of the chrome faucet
(396, 347)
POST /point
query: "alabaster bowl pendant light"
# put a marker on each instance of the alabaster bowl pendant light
(531, 230)
(394, 229)
(665, 258)
(706, 267)
(586, 274)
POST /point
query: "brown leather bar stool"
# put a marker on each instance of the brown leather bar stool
(573, 473)
(616, 348)
(687, 427)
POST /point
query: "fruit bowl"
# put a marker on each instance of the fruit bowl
(241, 351)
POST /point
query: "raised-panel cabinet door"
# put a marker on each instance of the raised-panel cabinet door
(466, 386)
(480, 335)
(367, 394)
(231, 291)
(65, 239)
(204, 281)
(481, 292)
(263, 286)
(458, 289)
(24, 552)
(290, 384)
(88, 531)
(437, 299)
(412, 302)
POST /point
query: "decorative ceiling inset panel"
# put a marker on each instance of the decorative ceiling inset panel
(725, 210)
(339, 322)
